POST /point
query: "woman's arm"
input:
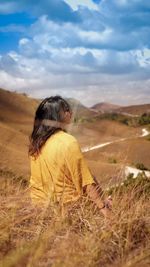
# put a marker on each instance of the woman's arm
(82, 177)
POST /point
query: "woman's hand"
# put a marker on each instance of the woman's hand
(104, 206)
(108, 202)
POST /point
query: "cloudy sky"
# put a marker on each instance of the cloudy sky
(92, 50)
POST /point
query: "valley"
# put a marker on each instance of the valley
(108, 145)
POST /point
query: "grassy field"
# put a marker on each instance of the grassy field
(79, 236)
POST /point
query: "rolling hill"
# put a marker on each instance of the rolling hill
(105, 107)
(16, 119)
(16, 122)
(135, 109)
(17, 109)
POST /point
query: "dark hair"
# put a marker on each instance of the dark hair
(50, 109)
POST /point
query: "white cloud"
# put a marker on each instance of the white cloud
(77, 61)
(94, 37)
(6, 8)
(98, 88)
(23, 41)
(86, 3)
(12, 28)
(143, 57)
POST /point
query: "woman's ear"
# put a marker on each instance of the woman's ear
(67, 116)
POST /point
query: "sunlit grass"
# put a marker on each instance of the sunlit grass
(80, 236)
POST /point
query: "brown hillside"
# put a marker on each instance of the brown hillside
(16, 119)
(105, 107)
(16, 122)
(129, 152)
(107, 174)
(135, 109)
(13, 150)
(93, 133)
(17, 109)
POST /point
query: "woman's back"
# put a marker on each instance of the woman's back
(59, 172)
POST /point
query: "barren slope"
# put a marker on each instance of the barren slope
(108, 162)
(93, 133)
(105, 107)
(135, 109)
(16, 119)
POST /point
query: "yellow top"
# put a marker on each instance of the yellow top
(60, 171)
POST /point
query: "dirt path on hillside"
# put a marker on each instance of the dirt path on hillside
(128, 169)
(145, 132)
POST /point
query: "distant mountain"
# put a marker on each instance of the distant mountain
(105, 107)
(132, 110)
(135, 109)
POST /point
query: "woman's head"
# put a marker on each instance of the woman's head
(50, 115)
(54, 108)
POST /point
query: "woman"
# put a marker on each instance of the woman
(59, 172)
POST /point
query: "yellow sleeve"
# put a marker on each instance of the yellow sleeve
(78, 167)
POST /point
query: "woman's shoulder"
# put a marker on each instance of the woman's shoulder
(61, 137)
(69, 143)
(62, 141)
(67, 137)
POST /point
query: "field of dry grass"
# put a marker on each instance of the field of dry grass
(34, 237)
(81, 237)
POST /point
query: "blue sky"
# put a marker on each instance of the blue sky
(92, 50)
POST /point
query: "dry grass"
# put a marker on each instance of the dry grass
(33, 237)
(81, 237)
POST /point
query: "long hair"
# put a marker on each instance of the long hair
(50, 111)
